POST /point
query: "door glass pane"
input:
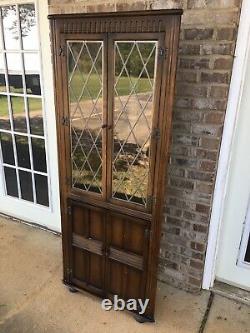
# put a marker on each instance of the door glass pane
(11, 181)
(39, 156)
(28, 26)
(4, 113)
(35, 116)
(42, 196)
(2, 74)
(135, 64)
(7, 148)
(85, 76)
(26, 185)
(23, 155)
(32, 73)
(18, 113)
(14, 67)
(10, 28)
(247, 255)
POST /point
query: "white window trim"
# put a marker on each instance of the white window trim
(221, 185)
(24, 95)
(48, 217)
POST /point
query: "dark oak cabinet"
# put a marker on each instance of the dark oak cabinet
(114, 83)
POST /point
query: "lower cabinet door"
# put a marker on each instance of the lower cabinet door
(108, 252)
(87, 247)
(127, 243)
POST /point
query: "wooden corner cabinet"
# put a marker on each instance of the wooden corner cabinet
(114, 82)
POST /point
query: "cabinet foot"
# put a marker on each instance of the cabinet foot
(72, 289)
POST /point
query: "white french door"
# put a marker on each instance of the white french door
(233, 262)
(29, 172)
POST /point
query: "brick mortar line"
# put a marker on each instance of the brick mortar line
(203, 56)
(190, 201)
(211, 41)
(183, 256)
(166, 230)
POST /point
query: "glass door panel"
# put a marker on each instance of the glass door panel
(247, 255)
(133, 109)
(22, 132)
(85, 88)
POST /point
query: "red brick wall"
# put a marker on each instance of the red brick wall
(208, 35)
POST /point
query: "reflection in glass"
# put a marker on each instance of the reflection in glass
(7, 148)
(14, 66)
(23, 155)
(2, 74)
(135, 64)
(10, 28)
(39, 154)
(4, 113)
(20, 68)
(26, 185)
(32, 70)
(28, 26)
(35, 116)
(11, 181)
(85, 91)
(247, 255)
(18, 112)
(42, 196)
(2, 82)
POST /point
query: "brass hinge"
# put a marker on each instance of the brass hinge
(163, 52)
(69, 209)
(61, 51)
(156, 134)
(65, 121)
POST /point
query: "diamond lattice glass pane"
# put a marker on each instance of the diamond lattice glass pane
(86, 105)
(135, 64)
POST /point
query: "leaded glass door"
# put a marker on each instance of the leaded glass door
(115, 83)
(113, 113)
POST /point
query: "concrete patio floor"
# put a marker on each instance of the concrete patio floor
(34, 300)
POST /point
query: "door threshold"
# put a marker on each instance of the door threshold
(231, 292)
(30, 224)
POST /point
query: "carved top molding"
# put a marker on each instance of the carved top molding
(146, 21)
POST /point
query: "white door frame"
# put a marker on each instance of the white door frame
(48, 217)
(221, 184)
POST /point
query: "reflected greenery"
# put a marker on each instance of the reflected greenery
(27, 18)
(35, 104)
(131, 177)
